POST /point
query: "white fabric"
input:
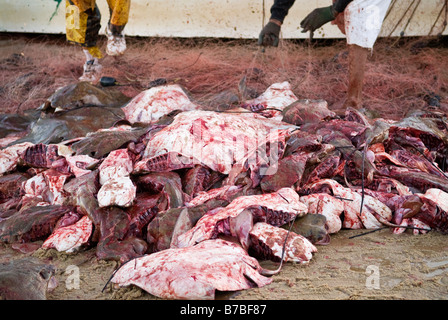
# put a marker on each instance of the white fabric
(363, 21)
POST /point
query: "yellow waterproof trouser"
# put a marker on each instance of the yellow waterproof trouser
(119, 12)
(83, 21)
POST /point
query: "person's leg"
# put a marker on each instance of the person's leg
(119, 15)
(362, 24)
(357, 57)
(83, 20)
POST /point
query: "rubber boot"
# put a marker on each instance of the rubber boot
(116, 43)
(357, 57)
(92, 69)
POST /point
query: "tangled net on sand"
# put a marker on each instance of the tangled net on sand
(400, 75)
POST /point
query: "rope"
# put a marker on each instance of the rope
(402, 17)
(390, 9)
(412, 15)
(444, 7)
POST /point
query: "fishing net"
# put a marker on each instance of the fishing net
(401, 74)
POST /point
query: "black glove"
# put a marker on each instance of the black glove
(317, 18)
(269, 35)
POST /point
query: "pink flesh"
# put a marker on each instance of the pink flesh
(79, 163)
(353, 217)
(152, 104)
(412, 222)
(440, 197)
(285, 200)
(71, 237)
(327, 205)
(11, 155)
(193, 272)
(278, 96)
(117, 164)
(4, 142)
(35, 186)
(55, 181)
(117, 192)
(297, 248)
(217, 193)
(216, 140)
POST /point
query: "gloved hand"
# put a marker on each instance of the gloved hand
(317, 18)
(269, 35)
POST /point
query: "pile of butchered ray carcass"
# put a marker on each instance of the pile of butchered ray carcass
(189, 198)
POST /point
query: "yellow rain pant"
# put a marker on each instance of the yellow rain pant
(119, 12)
(83, 21)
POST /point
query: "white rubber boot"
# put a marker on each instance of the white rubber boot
(92, 69)
(116, 44)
